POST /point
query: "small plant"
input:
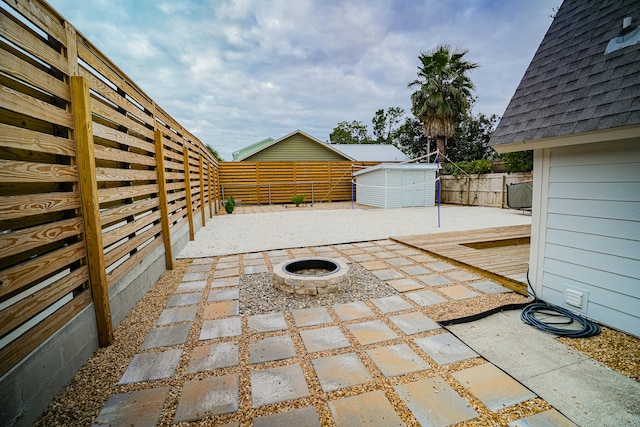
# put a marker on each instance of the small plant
(298, 198)
(229, 205)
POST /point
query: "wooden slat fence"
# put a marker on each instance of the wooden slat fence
(93, 177)
(479, 190)
(255, 183)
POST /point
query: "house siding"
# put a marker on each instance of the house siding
(591, 238)
(296, 148)
(370, 188)
(396, 187)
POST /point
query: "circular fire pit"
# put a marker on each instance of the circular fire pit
(311, 276)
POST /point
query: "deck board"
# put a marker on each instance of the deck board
(500, 253)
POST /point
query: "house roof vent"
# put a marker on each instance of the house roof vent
(629, 35)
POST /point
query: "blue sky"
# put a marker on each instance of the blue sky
(234, 72)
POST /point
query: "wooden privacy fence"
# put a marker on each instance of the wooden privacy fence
(93, 177)
(479, 190)
(255, 183)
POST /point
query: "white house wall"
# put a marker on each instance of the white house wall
(370, 188)
(587, 226)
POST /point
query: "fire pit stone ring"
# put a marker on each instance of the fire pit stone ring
(311, 276)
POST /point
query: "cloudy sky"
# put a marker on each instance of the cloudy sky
(234, 72)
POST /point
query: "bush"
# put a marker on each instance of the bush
(520, 161)
(297, 199)
(229, 205)
(473, 167)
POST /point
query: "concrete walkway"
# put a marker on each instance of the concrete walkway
(381, 362)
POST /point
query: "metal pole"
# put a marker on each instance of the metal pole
(312, 192)
(269, 194)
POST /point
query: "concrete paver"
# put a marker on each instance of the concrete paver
(278, 385)
(353, 311)
(340, 371)
(434, 403)
(404, 285)
(388, 274)
(489, 287)
(414, 323)
(143, 406)
(219, 309)
(324, 339)
(184, 299)
(372, 332)
(547, 418)
(221, 328)
(425, 298)
(395, 360)
(208, 396)
(311, 316)
(271, 348)
(223, 294)
(191, 286)
(434, 280)
(225, 282)
(270, 322)
(458, 292)
(151, 366)
(441, 266)
(391, 304)
(303, 417)
(213, 356)
(367, 409)
(177, 314)
(414, 270)
(166, 336)
(192, 277)
(445, 348)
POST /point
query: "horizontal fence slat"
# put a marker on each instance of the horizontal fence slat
(25, 139)
(106, 195)
(21, 103)
(13, 171)
(33, 237)
(118, 213)
(112, 174)
(116, 155)
(111, 134)
(37, 204)
(120, 233)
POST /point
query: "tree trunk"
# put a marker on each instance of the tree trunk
(441, 142)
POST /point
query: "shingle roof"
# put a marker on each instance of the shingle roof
(571, 86)
(371, 152)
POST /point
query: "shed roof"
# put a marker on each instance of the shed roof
(372, 152)
(572, 86)
(399, 166)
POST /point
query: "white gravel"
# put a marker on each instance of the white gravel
(301, 227)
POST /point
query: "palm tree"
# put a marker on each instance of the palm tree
(444, 92)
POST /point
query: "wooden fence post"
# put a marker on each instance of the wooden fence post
(81, 108)
(201, 167)
(468, 190)
(187, 182)
(209, 189)
(164, 207)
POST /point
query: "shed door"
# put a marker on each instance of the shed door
(412, 188)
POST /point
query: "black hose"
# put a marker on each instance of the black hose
(564, 316)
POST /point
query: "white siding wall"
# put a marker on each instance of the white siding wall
(370, 188)
(590, 236)
(394, 188)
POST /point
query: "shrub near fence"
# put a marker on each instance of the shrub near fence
(255, 183)
(479, 190)
(96, 183)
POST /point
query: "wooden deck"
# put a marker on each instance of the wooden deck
(500, 253)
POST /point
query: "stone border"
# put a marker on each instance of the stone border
(311, 284)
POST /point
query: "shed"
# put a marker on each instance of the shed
(392, 185)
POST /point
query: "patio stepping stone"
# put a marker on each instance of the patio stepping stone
(270, 322)
(278, 385)
(184, 299)
(495, 389)
(213, 356)
(374, 265)
(395, 360)
(271, 348)
(372, 332)
(199, 268)
(391, 304)
(434, 402)
(191, 286)
(367, 409)
(388, 274)
(425, 298)
(441, 266)
(166, 336)
(386, 254)
(414, 323)
(353, 311)
(434, 280)
(462, 275)
(489, 287)
(547, 418)
(311, 316)
(151, 366)
(362, 257)
(324, 339)
(458, 292)
(226, 282)
(220, 328)
(307, 417)
(254, 269)
(227, 272)
(221, 294)
(277, 253)
(193, 277)
(340, 371)
(398, 261)
(143, 406)
(414, 270)
(177, 314)
(198, 261)
(227, 265)
(404, 285)
(219, 309)
(445, 348)
(252, 255)
(205, 397)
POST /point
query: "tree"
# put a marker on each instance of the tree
(350, 133)
(411, 140)
(471, 140)
(214, 153)
(519, 161)
(384, 124)
(443, 93)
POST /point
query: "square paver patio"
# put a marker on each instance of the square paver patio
(340, 371)
(414, 323)
(445, 348)
(324, 339)
(434, 403)
(441, 266)
(404, 285)
(271, 348)
(278, 385)
(191, 286)
(353, 311)
(206, 397)
(434, 280)
(192, 277)
(143, 406)
(462, 275)
(166, 336)
(391, 304)
(425, 298)
(219, 309)
(495, 389)
(270, 322)
(489, 287)
(395, 360)
(547, 418)
(151, 366)
(372, 332)
(220, 328)
(414, 270)
(307, 417)
(221, 294)
(225, 282)
(311, 316)
(367, 409)
(177, 315)
(458, 292)
(184, 299)
(387, 274)
(213, 356)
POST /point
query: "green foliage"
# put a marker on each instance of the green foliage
(298, 199)
(385, 124)
(214, 153)
(471, 140)
(229, 205)
(350, 133)
(520, 161)
(479, 166)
